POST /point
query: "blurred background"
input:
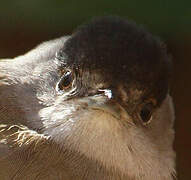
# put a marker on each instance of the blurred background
(25, 24)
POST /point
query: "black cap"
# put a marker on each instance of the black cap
(124, 50)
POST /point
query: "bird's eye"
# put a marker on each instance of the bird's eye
(146, 113)
(65, 81)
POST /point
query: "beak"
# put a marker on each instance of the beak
(109, 107)
(106, 103)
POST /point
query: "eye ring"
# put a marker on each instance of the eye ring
(145, 114)
(65, 81)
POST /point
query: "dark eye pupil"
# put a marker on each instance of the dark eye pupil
(65, 81)
(146, 113)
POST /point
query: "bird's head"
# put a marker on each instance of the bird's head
(104, 94)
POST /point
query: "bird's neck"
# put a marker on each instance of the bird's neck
(47, 160)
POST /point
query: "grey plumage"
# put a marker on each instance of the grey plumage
(92, 129)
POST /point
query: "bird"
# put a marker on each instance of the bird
(93, 105)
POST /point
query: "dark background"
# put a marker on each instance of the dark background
(26, 23)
